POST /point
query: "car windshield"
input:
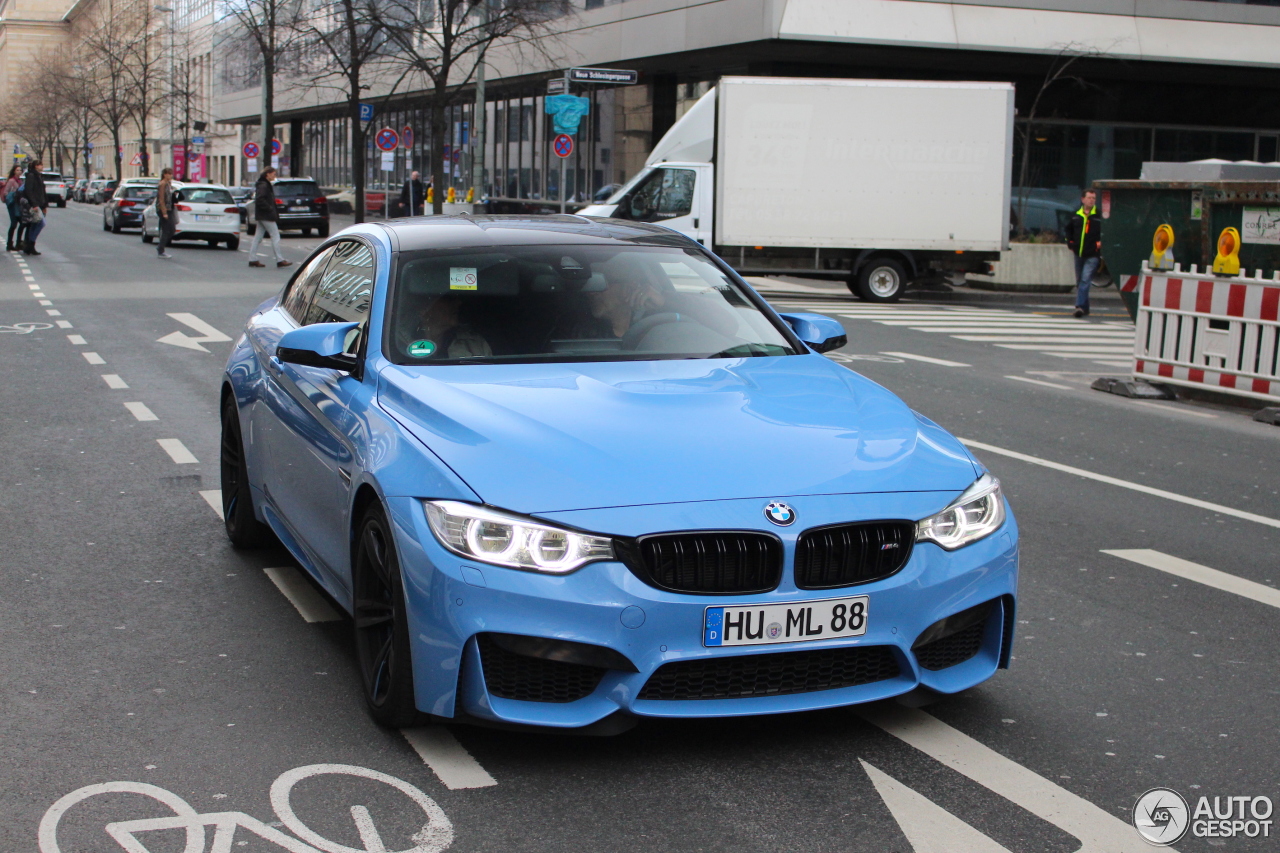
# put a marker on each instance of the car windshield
(206, 195)
(572, 303)
(297, 189)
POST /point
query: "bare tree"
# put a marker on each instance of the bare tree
(107, 46)
(443, 42)
(36, 115)
(146, 55)
(73, 84)
(273, 29)
(348, 41)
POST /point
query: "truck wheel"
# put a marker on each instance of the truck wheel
(881, 280)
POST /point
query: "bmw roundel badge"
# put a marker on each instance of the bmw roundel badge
(779, 513)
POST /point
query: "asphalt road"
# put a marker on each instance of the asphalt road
(140, 654)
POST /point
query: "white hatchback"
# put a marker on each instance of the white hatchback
(204, 212)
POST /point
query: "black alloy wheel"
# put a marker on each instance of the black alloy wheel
(243, 529)
(115, 224)
(381, 626)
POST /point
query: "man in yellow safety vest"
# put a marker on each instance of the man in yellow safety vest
(1084, 236)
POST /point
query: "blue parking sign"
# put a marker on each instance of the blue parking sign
(366, 112)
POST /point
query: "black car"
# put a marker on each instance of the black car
(124, 208)
(300, 206)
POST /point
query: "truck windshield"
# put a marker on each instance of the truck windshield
(572, 303)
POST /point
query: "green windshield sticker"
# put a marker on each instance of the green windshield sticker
(462, 278)
(422, 349)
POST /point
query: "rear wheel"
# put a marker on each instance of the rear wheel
(881, 280)
(323, 230)
(62, 202)
(105, 226)
(146, 238)
(213, 242)
(306, 232)
(243, 529)
(233, 243)
(381, 627)
(251, 228)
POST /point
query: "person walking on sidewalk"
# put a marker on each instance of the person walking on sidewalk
(9, 192)
(264, 211)
(1084, 237)
(165, 212)
(37, 206)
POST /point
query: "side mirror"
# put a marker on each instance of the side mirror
(819, 331)
(319, 345)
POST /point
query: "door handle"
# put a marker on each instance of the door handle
(695, 222)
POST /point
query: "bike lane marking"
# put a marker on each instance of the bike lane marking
(929, 828)
(1200, 574)
(1097, 829)
(448, 759)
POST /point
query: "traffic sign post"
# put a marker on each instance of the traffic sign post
(387, 139)
(563, 147)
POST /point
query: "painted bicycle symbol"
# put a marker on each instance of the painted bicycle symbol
(435, 835)
(25, 328)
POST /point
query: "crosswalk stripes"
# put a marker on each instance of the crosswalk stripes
(1107, 342)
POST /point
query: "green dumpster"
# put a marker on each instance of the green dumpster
(1197, 211)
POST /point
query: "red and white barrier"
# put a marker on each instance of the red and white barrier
(1205, 331)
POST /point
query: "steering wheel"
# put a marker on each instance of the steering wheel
(638, 330)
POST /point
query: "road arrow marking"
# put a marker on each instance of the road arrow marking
(208, 334)
(928, 827)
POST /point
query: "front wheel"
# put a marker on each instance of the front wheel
(381, 626)
(881, 280)
(243, 528)
(115, 225)
(146, 238)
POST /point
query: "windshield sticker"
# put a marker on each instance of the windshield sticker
(422, 349)
(462, 278)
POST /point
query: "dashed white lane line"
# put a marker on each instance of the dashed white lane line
(114, 381)
(44, 301)
(927, 359)
(177, 451)
(63, 324)
(1097, 830)
(302, 595)
(78, 340)
(1173, 407)
(1125, 484)
(1200, 574)
(33, 287)
(1041, 382)
(448, 759)
(38, 294)
(214, 498)
(928, 827)
(53, 312)
(141, 412)
(93, 358)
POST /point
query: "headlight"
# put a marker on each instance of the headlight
(977, 513)
(490, 536)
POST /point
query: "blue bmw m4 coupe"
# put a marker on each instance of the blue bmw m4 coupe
(567, 472)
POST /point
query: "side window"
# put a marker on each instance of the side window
(665, 194)
(298, 297)
(346, 288)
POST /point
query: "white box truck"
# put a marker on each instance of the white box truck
(875, 182)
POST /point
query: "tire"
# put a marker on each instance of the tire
(243, 529)
(383, 652)
(213, 242)
(105, 226)
(251, 228)
(115, 225)
(306, 232)
(146, 238)
(233, 243)
(881, 280)
(62, 202)
(323, 230)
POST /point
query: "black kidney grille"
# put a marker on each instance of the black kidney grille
(952, 650)
(773, 674)
(849, 554)
(512, 676)
(708, 562)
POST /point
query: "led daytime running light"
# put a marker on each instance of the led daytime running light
(501, 539)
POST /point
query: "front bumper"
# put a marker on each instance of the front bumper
(452, 602)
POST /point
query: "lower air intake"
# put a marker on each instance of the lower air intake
(511, 676)
(774, 674)
(952, 650)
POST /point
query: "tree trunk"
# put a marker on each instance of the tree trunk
(115, 138)
(268, 110)
(438, 137)
(357, 148)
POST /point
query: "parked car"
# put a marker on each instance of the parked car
(55, 188)
(299, 207)
(691, 514)
(124, 208)
(244, 198)
(102, 190)
(77, 189)
(204, 212)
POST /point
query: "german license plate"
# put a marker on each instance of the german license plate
(204, 217)
(796, 622)
(299, 209)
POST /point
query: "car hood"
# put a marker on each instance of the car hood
(554, 437)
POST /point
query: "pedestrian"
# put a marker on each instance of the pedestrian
(264, 211)
(9, 192)
(1084, 237)
(413, 196)
(37, 206)
(165, 212)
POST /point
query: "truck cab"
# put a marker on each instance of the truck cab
(678, 196)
